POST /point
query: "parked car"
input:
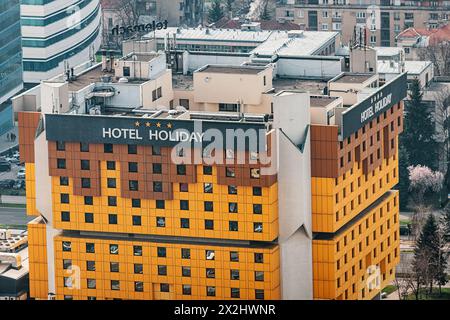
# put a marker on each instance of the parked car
(21, 174)
(5, 166)
(19, 184)
(7, 184)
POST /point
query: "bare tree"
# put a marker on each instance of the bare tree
(439, 54)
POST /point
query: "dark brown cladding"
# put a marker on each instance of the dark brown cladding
(28, 123)
(146, 174)
(368, 146)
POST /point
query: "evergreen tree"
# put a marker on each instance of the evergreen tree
(265, 14)
(427, 254)
(216, 11)
(418, 137)
(403, 183)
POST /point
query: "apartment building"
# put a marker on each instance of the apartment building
(10, 60)
(306, 211)
(58, 35)
(383, 20)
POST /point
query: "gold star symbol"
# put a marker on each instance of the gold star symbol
(158, 124)
(148, 124)
(137, 123)
(169, 125)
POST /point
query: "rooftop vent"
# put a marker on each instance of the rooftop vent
(295, 34)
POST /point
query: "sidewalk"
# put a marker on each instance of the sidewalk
(6, 144)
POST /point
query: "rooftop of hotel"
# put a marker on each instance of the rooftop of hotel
(321, 101)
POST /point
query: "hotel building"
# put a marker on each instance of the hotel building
(58, 35)
(125, 212)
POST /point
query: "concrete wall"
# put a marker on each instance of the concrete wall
(308, 67)
(193, 61)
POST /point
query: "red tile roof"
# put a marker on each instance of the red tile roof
(435, 35)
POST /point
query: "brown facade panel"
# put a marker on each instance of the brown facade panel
(375, 141)
(27, 123)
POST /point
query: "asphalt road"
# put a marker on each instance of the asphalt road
(14, 216)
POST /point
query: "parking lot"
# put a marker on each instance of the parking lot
(10, 181)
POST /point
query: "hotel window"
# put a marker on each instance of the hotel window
(156, 150)
(186, 271)
(157, 168)
(90, 248)
(60, 145)
(111, 182)
(235, 293)
(210, 273)
(160, 222)
(61, 163)
(67, 263)
(254, 173)
(91, 284)
(208, 206)
(85, 183)
(137, 251)
(132, 149)
(114, 267)
(137, 220)
(181, 169)
(138, 286)
(132, 167)
(186, 289)
(208, 187)
(135, 203)
(257, 191)
(209, 224)
(207, 170)
(66, 246)
(232, 189)
(115, 285)
(259, 294)
(64, 197)
(184, 205)
(112, 201)
(160, 204)
(257, 208)
(259, 275)
(233, 226)
(63, 181)
(162, 270)
(108, 148)
(234, 256)
(232, 207)
(110, 165)
(210, 254)
(185, 253)
(67, 282)
(161, 252)
(184, 103)
(234, 274)
(257, 227)
(112, 218)
(184, 223)
(164, 287)
(211, 291)
(84, 147)
(114, 249)
(85, 165)
(229, 172)
(65, 216)
(89, 217)
(88, 200)
(157, 186)
(259, 257)
(90, 265)
(126, 71)
(133, 185)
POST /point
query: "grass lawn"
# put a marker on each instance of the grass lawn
(12, 205)
(13, 226)
(434, 296)
(389, 289)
